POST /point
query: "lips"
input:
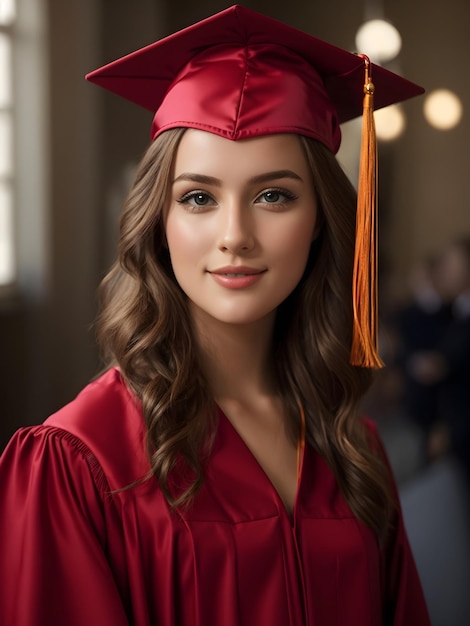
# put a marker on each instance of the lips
(237, 270)
(237, 277)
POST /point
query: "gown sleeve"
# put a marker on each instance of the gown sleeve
(405, 603)
(53, 565)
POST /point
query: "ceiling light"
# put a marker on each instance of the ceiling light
(379, 40)
(389, 123)
(443, 109)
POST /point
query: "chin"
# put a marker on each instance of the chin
(234, 317)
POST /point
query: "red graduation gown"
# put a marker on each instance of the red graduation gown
(74, 553)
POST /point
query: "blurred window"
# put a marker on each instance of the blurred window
(7, 173)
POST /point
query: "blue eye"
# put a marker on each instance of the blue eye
(276, 196)
(200, 199)
(272, 196)
(196, 199)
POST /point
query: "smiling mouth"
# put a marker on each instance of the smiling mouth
(246, 278)
(237, 275)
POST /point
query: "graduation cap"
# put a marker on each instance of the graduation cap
(240, 74)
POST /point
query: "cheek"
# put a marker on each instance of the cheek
(180, 238)
(295, 239)
(294, 247)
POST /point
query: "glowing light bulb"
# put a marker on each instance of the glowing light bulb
(443, 109)
(389, 123)
(379, 39)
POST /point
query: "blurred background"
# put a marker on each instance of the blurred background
(67, 156)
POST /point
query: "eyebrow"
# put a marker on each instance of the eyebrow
(260, 178)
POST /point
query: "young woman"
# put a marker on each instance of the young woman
(218, 472)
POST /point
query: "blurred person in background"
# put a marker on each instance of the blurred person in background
(443, 369)
(418, 327)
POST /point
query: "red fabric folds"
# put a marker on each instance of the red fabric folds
(75, 553)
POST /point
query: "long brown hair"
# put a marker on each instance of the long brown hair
(145, 328)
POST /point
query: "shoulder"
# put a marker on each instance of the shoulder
(105, 399)
(80, 455)
(105, 419)
(379, 450)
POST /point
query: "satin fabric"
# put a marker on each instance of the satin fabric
(239, 92)
(76, 552)
(241, 74)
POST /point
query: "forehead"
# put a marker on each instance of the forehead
(208, 153)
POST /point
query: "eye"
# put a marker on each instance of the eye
(196, 199)
(276, 196)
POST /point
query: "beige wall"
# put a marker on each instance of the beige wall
(94, 138)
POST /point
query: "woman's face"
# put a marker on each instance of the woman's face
(239, 223)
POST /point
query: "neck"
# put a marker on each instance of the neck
(236, 358)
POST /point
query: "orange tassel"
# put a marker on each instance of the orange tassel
(364, 349)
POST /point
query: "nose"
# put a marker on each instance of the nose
(236, 229)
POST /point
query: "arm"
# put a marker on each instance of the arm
(404, 599)
(53, 566)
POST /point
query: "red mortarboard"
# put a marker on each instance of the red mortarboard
(240, 74)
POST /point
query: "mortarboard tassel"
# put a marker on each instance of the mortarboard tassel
(364, 349)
